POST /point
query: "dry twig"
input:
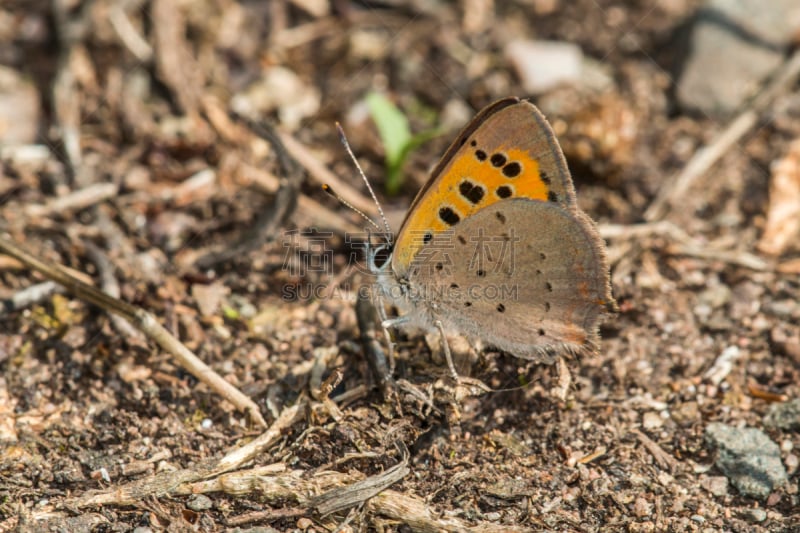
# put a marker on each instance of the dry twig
(79, 199)
(683, 244)
(143, 321)
(319, 173)
(675, 190)
(664, 460)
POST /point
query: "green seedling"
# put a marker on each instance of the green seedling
(397, 139)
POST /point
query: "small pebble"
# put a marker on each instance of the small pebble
(686, 414)
(543, 65)
(642, 508)
(101, 473)
(199, 502)
(716, 485)
(755, 515)
(651, 420)
(304, 523)
(784, 415)
(791, 463)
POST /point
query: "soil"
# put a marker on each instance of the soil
(206, 226)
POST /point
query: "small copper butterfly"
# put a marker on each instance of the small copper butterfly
(494, 246)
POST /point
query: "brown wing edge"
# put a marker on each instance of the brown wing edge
(561, 162)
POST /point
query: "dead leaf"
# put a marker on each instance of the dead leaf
(783, 212)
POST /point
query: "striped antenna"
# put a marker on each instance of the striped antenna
(327, 189)
(386, 227)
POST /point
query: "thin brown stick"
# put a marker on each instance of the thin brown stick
(675, 190)
(319, 173)
(79, 199)
(420, 517)
(175, 64)
(310, 213)
(135, 43)
(288, 417)
(683, 244)
(143, 321)
(664, 460)
(29, 296)
(66, 97)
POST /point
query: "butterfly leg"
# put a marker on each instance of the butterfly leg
(447, 355)
(386, 323)
(390, 344)
(394, 322)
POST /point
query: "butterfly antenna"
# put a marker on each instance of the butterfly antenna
(327, 189)
(346, 144)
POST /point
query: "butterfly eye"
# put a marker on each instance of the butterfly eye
(381, 255)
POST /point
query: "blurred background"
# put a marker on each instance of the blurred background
(179, 148)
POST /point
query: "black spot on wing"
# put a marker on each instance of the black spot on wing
(472, 192)
(545, 177)
(449, 216)
(512, 170)
(504, 191)
(498, 159)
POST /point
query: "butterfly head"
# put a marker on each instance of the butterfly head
(379, 256)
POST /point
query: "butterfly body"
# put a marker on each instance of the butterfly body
(494, 246)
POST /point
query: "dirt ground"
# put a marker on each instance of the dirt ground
(174, 152)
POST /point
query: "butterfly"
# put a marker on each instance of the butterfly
(495, 248)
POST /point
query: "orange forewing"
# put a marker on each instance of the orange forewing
(507, 151)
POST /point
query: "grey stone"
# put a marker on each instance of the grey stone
(775, 22)
(748, 458)
(784, 415)
(755, 515)
(734, 45)
(199, 502)
(782, 308)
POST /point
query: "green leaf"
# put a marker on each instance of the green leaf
(398, 142)
(230, 313)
